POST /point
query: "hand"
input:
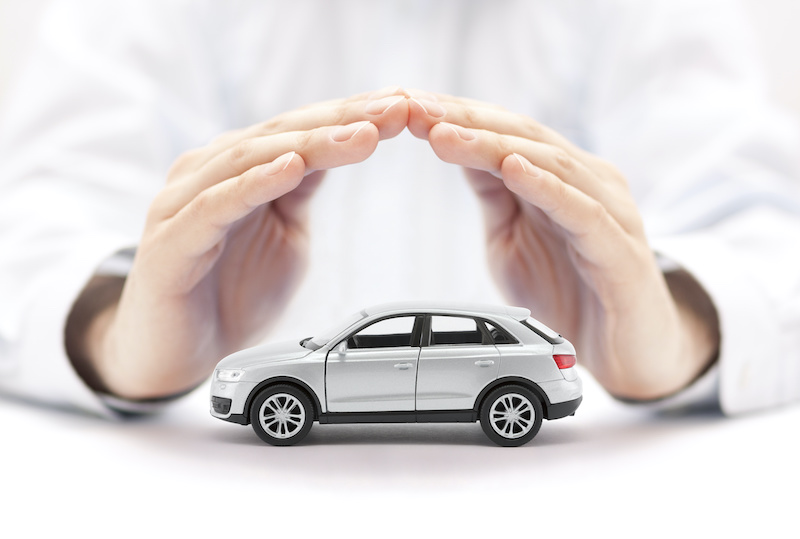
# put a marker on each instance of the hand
(225, 244)
(565, 239)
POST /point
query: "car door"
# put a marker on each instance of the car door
(375, 368)
(456, 362)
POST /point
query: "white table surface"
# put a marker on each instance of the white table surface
(610, 468)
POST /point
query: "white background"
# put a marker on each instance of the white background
(775, 20)
(609, 469)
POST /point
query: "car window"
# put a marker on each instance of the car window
(386, 333)
(543, 331)
(499, 335)
(454, 330)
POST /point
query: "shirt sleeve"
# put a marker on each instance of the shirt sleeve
(110, 95)
(676, 100)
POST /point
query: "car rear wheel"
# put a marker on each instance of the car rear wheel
(282, 415)
(511, 415)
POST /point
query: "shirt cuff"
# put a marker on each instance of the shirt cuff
(34, 364)
(743, 379)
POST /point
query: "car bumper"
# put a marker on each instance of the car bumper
(228, 399)
(562, 390)
(563, 396)
(562, 409)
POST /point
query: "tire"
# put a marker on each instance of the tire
(282, 414)
(524, 409)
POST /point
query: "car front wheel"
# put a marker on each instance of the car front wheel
(282, 415)
(511, 415)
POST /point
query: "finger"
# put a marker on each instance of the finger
(486, 150)
(321, 148)
(594, 233)
(424, 115)
(389, 114)
(426, 110)
(203, 223)
(387, 109)
(494, 147)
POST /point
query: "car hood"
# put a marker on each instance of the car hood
(266, 353)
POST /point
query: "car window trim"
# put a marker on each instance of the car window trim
(416, 331)
(510, 336)
(551, 340)
(480, 322)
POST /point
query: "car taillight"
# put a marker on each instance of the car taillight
(564, 361)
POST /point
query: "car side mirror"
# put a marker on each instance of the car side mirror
(341, 348)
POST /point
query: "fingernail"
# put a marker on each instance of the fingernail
(379, 106)
(279, 164)
(346, 132)
(462, 132)
(431, 108)
(527, 167)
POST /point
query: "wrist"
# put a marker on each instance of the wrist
(671, 338)
(88, 325)
(699, 323)
(691, 346)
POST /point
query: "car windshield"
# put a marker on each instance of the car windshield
(321, 339)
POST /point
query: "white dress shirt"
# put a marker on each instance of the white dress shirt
(669, 91)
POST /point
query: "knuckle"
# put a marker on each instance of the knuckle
(629, 219)
(238, 189)
(564, 161)
(470, 116)
(504, 147)
(164, 205)
(200, 204)
(598, 214)
(155, 214)
(635, 226)
(561, 190)
(272, 126)
(340, 114)
(560, 196)
(303, 138)
(532, 130)
(239, 152)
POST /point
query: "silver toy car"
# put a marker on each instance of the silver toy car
(401, 363)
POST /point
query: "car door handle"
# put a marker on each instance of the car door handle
(484, 362)
(403, 366)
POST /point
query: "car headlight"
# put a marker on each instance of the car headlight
(229, 375)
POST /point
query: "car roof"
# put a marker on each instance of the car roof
(451, 307)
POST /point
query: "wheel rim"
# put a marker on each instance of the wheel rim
(512, 416)
(282, 415)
